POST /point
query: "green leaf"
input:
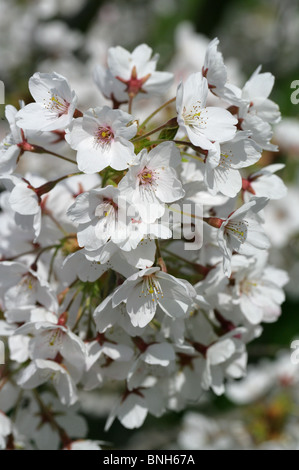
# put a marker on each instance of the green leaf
(168, 133)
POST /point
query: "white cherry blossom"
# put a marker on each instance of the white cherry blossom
(41, 371)
(203, 125)
(101, 139)
(54, 106)
(216, 73)
(256, 92)
(22, 286)
(137, 70)
(242, 233)
(9, 147)
(102, 216)
(149, 288)
(152, 181)
(264, 183)
(258, 290)
(223, 175)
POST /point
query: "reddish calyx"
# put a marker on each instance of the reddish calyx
(246, 186)
(24, 145)
(60, 136)
(214, 221)
(134, 84)
(225, 324)
(63, 319)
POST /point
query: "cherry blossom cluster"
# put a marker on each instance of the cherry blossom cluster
(101, 281)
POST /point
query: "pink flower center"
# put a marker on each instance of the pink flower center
(146, 176)
(104, 135)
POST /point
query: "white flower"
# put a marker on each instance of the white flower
(214, 69)
(41, 371)
(264, 183)
(25, 201)
(261, 131)
(30, 313)
(86, 270)
(256, 92)
(106, 360)
(106, 316)
(133, 407)
(109, 86)
(223, 174)
(216, 73)
(21, 286)
(287, 135)
(36, 422)
(224, 358)
(8, 397)
(282, 221)
(101, 139)
(152, 181)
(258, 290)
(137, 70)
(52, 340)
(139, 246)
(102, 217)
(240, 232)
(84, 444)
(18, 348)
(202, 124)
(152, 362)
(55, 103)
(9, 148)
(149, 288)
(5, 429)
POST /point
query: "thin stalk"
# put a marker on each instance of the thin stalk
(189, 144)
(54, 154)
(43, 251)
(143, 124)
(160, 260)
(52, 263)
(29, 252)
(73, 299)
(185, 213)
(80, 314)
(195, 157)
(130, 104)
(178, 257)
(144, 136)
(50, 215)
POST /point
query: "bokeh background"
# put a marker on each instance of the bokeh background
(71, 37)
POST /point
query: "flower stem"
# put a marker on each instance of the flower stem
(189, 144)
(143, 124)
(52, 263)
(29, 252)
(195, 157)
(130, 104)
(34, 264)
(160, 260)
(38, 149)
(46, 187)
(144, 136)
